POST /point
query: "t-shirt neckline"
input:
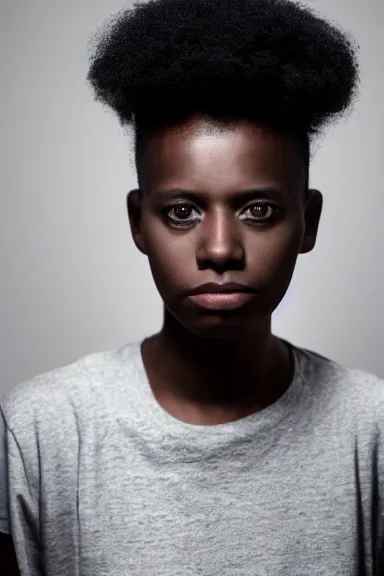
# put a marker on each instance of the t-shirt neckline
(271, 415)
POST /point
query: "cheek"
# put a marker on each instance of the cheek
(272, 263)
(271, 254)
(171, 257)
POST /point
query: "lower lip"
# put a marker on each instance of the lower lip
(221, 301)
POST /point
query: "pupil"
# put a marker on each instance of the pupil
(182, 208)
(259, 208)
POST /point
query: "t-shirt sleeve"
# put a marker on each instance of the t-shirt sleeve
(380, 492)
(19, 507)
(4, 515)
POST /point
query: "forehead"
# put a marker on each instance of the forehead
(201, 155)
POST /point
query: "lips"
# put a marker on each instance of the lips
(215, 288)
(221, 300)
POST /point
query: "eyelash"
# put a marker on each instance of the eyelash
(184, 223)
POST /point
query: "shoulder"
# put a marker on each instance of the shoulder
(355, 394)
(51, 394)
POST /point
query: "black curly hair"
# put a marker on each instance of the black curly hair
(272, 62)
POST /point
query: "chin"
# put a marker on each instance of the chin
(218, 327)
(209, 324)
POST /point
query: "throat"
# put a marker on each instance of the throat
(215, 397)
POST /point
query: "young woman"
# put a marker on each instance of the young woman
(213, 447)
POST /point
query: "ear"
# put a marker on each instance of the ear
(134, 208)
(313, 208)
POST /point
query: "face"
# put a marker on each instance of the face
(224, 204)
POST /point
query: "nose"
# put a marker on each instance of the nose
(221, 240)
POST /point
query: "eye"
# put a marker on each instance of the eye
(182, 214)
(260, 212)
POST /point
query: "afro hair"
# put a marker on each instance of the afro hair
(268, 61)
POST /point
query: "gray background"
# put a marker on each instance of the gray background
(72, 282)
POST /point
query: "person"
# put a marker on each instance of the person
(213, 447)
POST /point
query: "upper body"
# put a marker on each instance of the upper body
(265, 464)
(104, 481)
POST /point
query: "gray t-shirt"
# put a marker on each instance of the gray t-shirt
(102, 481)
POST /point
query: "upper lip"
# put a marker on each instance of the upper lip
(229, 287)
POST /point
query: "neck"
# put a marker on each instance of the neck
(217, 373)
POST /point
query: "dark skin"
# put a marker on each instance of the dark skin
(212, 367)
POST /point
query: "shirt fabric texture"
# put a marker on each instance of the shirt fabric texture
(97, 479)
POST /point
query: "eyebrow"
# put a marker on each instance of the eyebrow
(243, 195)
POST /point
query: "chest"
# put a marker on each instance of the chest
(132, 514)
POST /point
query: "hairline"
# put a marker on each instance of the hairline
(142, 134)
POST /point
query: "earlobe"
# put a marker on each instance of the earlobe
(134, 214)
(312, 216)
